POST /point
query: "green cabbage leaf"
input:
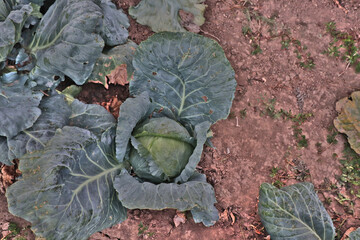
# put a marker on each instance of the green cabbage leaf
(11, 24)
(132, 111)
(19, 107)
(163, 15)
(294, 212)
(92, 117)
(187, 76)
(55, 114)
(4, 150)
(67, 40)
(66, 190)
(195, 193)
(115, 24)
(355, 235)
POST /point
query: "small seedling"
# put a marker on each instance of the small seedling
(231, 115)
(142, 230)
(14, 231)
(270, 109)
(302, 142)
(331, 137)
(246, 30)
(343, 45)
(256, 50)
(278, 184)
(243, 113)
(297, 119)
(274, 171)
(20, 238)
(319, 148)
(351, 165)
(285, 44)
(307, 64)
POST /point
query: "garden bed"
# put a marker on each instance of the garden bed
(281, 72)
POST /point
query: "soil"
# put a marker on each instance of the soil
(254, 139)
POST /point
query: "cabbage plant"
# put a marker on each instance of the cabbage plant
(38, 49)
(82, 169)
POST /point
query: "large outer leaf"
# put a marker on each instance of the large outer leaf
(110, 60)
(4, 149)
(348, 121)
(67, 189)
(11, 26)
(18, 107)
(55, 114)
(67, 41)
(355, 235)
(163, 15)
(187, 75)
(294, 212)
(115, 24)
(92, 117)
(132, 112)
(196, 193)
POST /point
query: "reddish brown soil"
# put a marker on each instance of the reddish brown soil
(248, 147)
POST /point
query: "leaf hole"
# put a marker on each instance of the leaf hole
(86, 63)
(56, 78)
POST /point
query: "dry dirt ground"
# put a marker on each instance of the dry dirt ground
(256, 138)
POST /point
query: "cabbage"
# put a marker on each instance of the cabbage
(165, 143)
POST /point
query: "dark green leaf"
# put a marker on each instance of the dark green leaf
(6, 6)
(115, 24)
(67, 40)
(294, 212)
(92, 117)
(11, 26)
(4, 150)
(355, 235)
(18, 107)
(163, 15)
(132, 112)
(186, 75)
(55, 114)
(200, 136)
(43, 80)
(66, 191)
(196, 193)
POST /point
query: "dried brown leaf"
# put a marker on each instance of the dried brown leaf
(179, 218)
(119, 75)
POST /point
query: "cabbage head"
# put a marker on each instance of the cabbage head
(163, 144)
